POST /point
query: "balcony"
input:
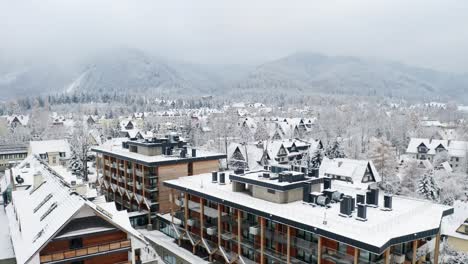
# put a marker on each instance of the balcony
(84, 252)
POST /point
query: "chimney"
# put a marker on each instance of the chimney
(38, 179)
(214, 177)
(222, 180)
(194, 153)
(362, 212)
(327, 183)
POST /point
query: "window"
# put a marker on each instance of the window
(271, 191)
(76, 243)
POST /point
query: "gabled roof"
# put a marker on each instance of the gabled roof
(454, 148)
(37, 215)
(47, 146)
(354, 169)
(21, 119)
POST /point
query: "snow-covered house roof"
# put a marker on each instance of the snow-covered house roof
(454, 148)
(459, 219)
(37, 214)
(49, 146)
(251, 153)
(17, 120)
(353, 171)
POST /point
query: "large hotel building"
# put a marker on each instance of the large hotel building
(133, 173)
(287, 217)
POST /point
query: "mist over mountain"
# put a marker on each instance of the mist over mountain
(308, 73)
(134, 71)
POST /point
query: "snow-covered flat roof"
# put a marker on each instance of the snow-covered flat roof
(126, 154)
(409, 217)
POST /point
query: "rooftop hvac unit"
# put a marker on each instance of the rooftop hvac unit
(346, 206)
(239, 171)
(337, 196)
(306, 188)
(322, 200)
(254, 230)
(211, 231)
(266, 175)
(360, 199)
(214, 176)
(329, 193)
(372, 197)
(387, 202)
(222, 178)
(327, 183)
(361, 212)
(191, 222)
(194, 153)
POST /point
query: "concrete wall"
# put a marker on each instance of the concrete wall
(277, 196)
(149, 151)
(458, 244)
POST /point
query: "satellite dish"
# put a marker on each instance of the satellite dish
(19, 179)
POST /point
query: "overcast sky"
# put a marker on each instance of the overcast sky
(428, 33)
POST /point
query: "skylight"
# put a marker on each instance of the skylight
(51, 208)
(47, 198)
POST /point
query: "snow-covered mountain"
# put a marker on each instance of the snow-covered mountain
(307, 73)
(133, 71)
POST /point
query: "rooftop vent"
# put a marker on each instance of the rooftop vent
(19, 179)
(361, 212)
(266, 175)
(214, 177)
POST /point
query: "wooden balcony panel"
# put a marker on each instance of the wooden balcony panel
(58, 256)
(114, 246)
(81, 252)
(104, 248)
(46, 258)
(70, 254)
(93, 250)
(125, 243)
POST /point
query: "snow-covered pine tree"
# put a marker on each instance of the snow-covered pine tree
(335, 151)
(427, 186)
(75, 164)
(237, 161)
(316, 158)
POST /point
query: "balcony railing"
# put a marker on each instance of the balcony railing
(81, 252)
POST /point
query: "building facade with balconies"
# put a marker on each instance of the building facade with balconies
(287, 217)
(133, 171)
